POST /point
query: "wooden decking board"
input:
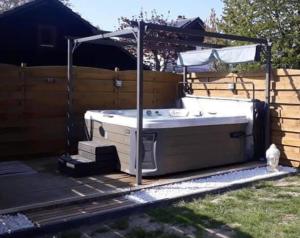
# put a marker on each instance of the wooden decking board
(103, 187)
(124, 180)
(43, 188)
(60, 219)
(73, 211)
(14, 168)
(36, 216)
(46, 189)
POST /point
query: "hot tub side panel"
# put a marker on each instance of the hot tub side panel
(190, 148)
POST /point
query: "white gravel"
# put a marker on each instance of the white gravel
(10, 223)
(205, 184)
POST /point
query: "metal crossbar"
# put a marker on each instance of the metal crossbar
(181, 42)
(151, 26)
(126, 33)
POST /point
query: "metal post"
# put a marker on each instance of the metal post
(184, 79)
(184, 74)
(70, 96)
(267, 94)
(140, 79)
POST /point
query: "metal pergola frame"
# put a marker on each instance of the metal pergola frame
(138, 33)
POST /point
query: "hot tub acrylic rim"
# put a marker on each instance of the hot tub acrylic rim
(171, 122)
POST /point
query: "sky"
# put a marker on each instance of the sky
(105, 13)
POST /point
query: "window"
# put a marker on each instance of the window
(47, 36)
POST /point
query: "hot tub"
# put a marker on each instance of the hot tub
(174, 139)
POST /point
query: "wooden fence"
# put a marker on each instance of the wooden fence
(285, 103)
(33, 103)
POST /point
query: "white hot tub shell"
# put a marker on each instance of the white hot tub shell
(177, 139)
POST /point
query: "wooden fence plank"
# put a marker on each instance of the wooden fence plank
(84, 73)
(285, 111)
(130, 86)
(286, 72)
(287, 148)
(49, 72)
(226, 93)
(286, 124)
(289, 162)
(128, 100)
(94, 86)
(286, 141)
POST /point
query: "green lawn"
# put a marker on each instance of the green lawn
(268, 209)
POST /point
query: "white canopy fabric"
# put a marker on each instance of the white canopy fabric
(228, 55)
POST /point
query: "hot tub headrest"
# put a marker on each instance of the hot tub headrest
(233, 107)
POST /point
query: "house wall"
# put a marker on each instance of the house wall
(21, 33)
(33, 103)
(285, 103)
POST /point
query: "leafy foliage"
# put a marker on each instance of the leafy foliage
(8, 4)
(277, 20)
(212, 25)
(156, 56)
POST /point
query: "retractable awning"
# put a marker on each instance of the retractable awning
(228, 55)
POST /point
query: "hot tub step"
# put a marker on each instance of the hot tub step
(98, 152)
(79, 166)
(100, 157)
(89, 146)
(95, 147)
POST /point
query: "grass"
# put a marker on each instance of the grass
(101, 229)
(70, 234)
(269, 209)
(141, 233)
(121, 224)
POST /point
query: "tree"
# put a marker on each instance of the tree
(156, 56)
(212, 25)
(277, 20)
(8, 4)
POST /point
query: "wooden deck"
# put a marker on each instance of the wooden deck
(48, 186)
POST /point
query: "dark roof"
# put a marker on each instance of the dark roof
(37, 3)
(183, 23)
